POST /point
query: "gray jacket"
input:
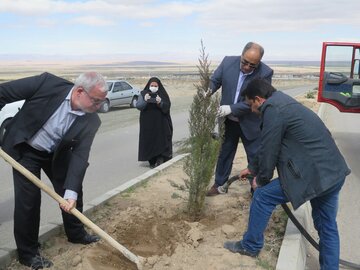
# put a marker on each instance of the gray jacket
(227, 76)
(298, 144)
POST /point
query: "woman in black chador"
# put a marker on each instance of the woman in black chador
(155, 140)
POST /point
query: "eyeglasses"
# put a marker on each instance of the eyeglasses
(247, 63)
(94, 101)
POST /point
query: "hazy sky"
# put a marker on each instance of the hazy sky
(171, 30)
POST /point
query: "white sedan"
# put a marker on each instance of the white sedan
(120, 93)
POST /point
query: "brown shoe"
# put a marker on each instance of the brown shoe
(213, 191)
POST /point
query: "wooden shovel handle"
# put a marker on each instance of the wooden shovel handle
(36, 181)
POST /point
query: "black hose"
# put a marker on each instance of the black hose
(310, 239)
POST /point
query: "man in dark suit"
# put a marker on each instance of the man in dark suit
(234, 74)
(310, 167)
(53, 131)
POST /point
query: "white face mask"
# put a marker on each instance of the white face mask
(153, 89)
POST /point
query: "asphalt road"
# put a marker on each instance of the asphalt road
(346, 131)
(113, 161)
(345, 128)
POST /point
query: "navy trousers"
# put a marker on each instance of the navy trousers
(233, 134)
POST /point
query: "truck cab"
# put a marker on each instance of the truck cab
(339, 82)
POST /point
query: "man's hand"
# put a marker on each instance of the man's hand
(254, 184)
(224, 110)
(243, 173)
(147, 97)
(70, 205)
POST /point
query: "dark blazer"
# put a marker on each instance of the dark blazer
(298, 144)
(227, 76)
(43, 94)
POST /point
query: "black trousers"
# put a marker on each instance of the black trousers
(28, 200)
(233, 134)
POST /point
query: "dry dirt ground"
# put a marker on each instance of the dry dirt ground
(151, 221)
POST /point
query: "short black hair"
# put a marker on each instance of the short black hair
(258, 87)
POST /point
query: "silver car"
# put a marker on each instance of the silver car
(120, 93)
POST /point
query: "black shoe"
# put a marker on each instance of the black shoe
(152, 162)
(37, 262)
(87, 239)
(237, 247)
(159, 161)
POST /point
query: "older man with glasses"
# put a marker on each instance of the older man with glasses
(53, 132)
(234, 74)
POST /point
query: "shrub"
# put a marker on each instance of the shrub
(310, 94)
(204, 149)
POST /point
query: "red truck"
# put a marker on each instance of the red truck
(339, 82)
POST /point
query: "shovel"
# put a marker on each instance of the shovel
(139, 261)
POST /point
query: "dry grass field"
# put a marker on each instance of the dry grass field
(140, 73)
(178, 79)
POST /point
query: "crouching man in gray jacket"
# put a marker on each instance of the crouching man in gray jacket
(296, 142)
